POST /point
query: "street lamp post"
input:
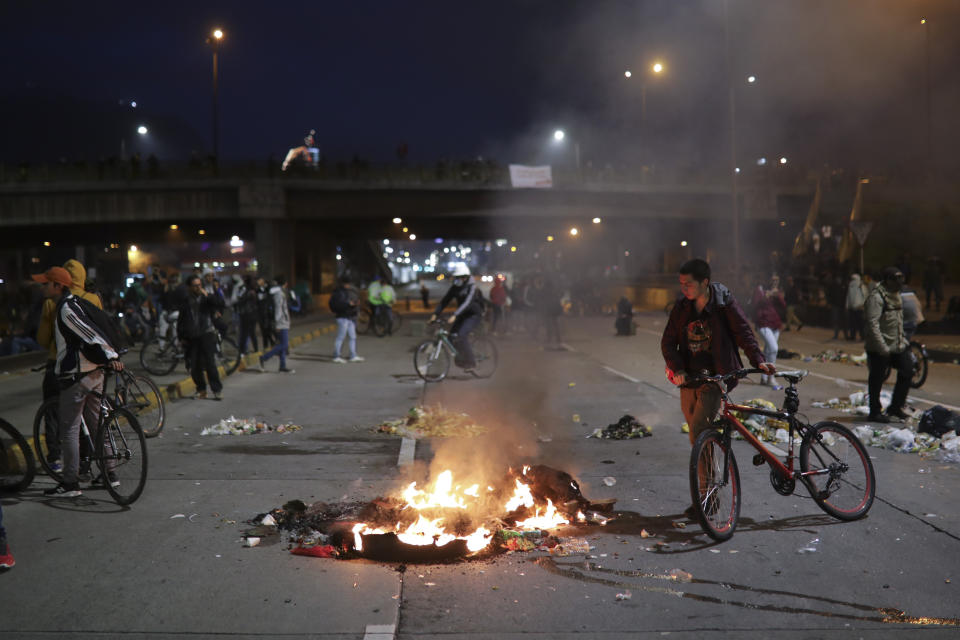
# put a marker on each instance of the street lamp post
(214, 41)
(734, 196)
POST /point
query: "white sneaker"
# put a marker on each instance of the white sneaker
(339, 360)
(356, 359)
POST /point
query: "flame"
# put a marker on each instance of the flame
(430, 530)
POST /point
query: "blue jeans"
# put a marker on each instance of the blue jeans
(282, 348)
(770, 349)
(460, 332)
(346, 328)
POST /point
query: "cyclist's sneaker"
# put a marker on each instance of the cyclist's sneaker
(111, 476)
(64, 490)
(878, 417)
(339, 360)
(56, 466)
(200, 395)
(259, 366)
(357, 359)
(286, 370)
(6, 556)
(217, 395)
(897, 413)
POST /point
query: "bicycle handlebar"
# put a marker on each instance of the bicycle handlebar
(791, 376)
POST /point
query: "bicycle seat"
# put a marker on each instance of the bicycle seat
(793, 377)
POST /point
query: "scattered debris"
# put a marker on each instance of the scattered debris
(609, 481)
(838, 355)
(810, 547)
(626, 427)
(626, 595)
(234, 426)
(432, 422)
(681, 576)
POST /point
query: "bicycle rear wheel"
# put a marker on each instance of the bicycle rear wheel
(17, 466)
(920, 365)
(485, 354)
(144, 400)
(431, 361)
(228, 355)
(122, 456)
(396, 321)
(363, 321)
(715, 485)
(846, 487)
(159, 357)
(46, 436)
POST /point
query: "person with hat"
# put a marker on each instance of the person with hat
(46, 339)
(81, 350)
(886, 343)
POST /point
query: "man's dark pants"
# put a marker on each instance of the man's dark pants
(461, 331)
(877, 365)
(201, 354)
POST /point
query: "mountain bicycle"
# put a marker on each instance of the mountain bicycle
(921, 363)
(17, 465)
(117, 446)
(369, 321)
(432, 358)
(161, 355)
(834, 465)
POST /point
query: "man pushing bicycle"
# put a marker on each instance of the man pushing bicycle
(701, 338)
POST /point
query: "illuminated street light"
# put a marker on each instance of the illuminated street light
(142, 130)
(761, 162)
(46, 243)
(549, 238)
(405, 229)
(513, 249)
(214, 41)
(596, 220)
(133, 248)
(235, 241)
(397, 221)
(574, 231)
(683, 243)
(751, 79)
(202, 232)
(783, 160)
(413, 236)
(174, 227)
(657, 67)
(559, 135)
(627, 73)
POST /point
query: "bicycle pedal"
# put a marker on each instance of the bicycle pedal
(759, 460)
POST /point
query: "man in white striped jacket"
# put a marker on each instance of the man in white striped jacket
(81, 348)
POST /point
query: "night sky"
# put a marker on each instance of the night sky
(839, 81)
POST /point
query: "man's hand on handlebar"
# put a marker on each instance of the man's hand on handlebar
(767, 368)
(433, 318)
(678, 378)
(452, 319)
(116, 365)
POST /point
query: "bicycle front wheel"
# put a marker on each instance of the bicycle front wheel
(363, 321)
(843, 484)
(46, 436)
(431, 361)
(228, 355)
(122, 456)
(920, 365)
(715, 485)
(144, 400)
(159, 357)
(485, 354)
(17, 466)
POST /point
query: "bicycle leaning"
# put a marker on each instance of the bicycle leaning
(920, 360)
(432, 358)
(117, 446)
(833, 464)
(160, 355)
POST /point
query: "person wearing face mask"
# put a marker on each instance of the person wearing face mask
(886, 343)
(469, 313)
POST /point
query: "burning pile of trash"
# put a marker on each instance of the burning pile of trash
(444, 521)
(432, 422)
(233, 426)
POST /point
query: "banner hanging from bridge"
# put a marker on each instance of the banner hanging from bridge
(527, 177)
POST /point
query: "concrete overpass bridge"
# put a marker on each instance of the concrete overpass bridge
(296, 223)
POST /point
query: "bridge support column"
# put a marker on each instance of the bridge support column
(275, 242)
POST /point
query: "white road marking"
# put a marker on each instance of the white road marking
(621, 374)
(380, 632)
(408, 447)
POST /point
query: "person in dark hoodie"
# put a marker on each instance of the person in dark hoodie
(703, 333)
(195, 327)
(468, 314)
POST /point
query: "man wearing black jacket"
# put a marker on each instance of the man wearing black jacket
(195, 327)
(469, 313)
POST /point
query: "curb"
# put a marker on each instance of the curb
(186, 387)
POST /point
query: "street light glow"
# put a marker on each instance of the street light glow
(783, 160)
(174, 227)
(549, 238)
(596, 220)
(218, 34)
(657, 67)
(559, 135)
(413, 236)
(142, 130)
(574, 231)
(751, 79)
(627, 73)
(683, 243)
(397, 221)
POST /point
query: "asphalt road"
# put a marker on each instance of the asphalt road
(87, 568)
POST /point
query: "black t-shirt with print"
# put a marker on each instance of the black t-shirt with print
(699, 339)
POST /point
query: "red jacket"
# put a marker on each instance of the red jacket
(766, 309)
(730, 329)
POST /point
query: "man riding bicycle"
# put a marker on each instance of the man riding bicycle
(469, 313)
(81, 350)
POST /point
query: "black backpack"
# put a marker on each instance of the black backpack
(106, 324)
